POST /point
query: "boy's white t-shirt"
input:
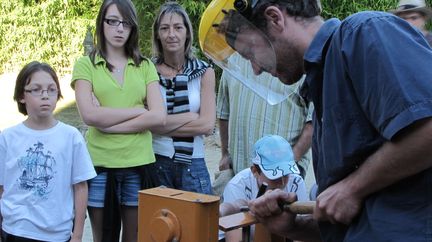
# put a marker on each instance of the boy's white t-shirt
(38, 169)
(244, 186)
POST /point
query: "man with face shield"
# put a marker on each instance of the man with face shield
(372, 125)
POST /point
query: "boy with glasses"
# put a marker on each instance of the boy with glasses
(44, 166)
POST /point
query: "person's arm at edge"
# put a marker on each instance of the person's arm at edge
(225, 161)
(1, 215)
(304, 142)
(223, 113)
(205, 124)
(228, 208)
(234, 235)
(80, 205)
(389, 164)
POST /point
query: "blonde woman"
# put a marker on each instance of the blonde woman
(187, 85)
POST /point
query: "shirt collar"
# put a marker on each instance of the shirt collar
(317, 47)
(100, 60)
(313, 59)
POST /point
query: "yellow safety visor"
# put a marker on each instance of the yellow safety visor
(222, 30)
(209, 39)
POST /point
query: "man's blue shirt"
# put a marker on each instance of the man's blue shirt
(370, 76)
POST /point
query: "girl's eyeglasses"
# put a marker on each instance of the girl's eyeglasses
(116, 22)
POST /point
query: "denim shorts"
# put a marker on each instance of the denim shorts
(194, 177)
(128, 184)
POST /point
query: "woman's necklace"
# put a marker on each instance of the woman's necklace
(177, 69)
(116, 70)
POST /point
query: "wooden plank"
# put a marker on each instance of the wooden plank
(235, 221)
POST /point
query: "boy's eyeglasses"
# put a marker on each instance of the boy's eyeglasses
(38, 92)
(116, 22)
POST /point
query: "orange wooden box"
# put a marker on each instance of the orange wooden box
(170, 215)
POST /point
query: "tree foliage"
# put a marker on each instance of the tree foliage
(54, 30)
(343, 8)
(44, 30)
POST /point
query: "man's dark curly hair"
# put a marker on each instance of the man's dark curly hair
(234, 23)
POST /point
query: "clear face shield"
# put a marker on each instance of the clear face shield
(254, 58)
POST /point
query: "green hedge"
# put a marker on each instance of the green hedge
(343, 8)
(53, 30)
(49, 31)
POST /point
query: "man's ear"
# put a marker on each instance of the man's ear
(22, 101)
(275, 19)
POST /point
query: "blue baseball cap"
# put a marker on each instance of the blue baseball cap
(274, 156)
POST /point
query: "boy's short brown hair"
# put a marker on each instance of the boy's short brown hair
(24, 77)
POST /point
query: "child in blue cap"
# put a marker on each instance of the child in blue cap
(273, 167)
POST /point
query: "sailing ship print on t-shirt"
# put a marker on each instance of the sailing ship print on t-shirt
(36, 170)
